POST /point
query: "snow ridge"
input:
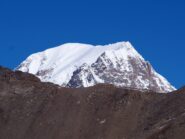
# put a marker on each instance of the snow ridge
(83, 65)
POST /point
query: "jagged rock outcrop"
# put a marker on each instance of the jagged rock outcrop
(132, 73)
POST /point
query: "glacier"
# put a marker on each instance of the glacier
(82, 65)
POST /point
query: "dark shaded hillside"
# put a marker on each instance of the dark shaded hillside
(30, 109)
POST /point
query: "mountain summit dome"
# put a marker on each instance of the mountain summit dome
(82, 65)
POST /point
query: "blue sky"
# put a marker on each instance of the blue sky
(156, 28)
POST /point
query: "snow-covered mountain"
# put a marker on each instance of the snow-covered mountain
(82, 65)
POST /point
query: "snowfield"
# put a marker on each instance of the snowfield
(83, 65)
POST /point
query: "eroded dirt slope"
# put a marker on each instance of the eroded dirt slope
(30, 109)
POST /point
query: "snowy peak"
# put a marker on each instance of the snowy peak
(83, 65)
(130, 72)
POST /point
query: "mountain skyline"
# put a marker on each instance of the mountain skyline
(92, 69)
(93, 46)
(155, 28)
(77, 65)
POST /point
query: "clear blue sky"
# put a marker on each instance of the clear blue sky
(156, 28)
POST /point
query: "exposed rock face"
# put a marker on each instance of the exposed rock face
(132, 73)
(80, 65)
(30, 109)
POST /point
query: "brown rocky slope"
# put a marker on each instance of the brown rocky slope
(30, 109)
